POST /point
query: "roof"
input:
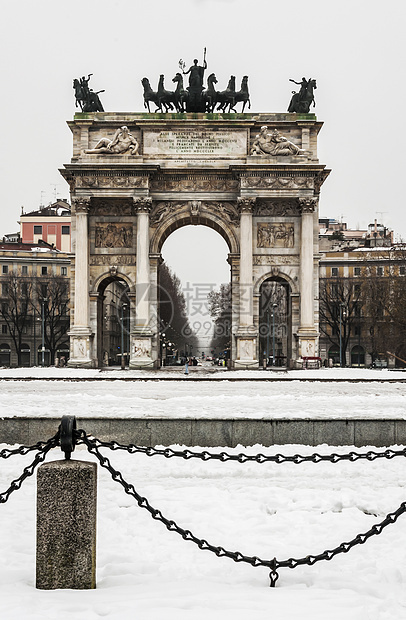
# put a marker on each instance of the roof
(40, 246)
(58, 208)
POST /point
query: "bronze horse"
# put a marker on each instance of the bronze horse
(227, 97)
(210, 94)
(243, 94)
(181, 96)
(154, 97)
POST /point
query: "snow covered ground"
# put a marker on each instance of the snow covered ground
(145, 572)
(186, 398)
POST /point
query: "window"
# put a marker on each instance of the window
(402, 270)
(5, 268)
(334, 271)
(44, 290)
(66, 230)
(357, 271)
(64, 271)
(357, 289)
(44, 270)
(4, 329)
(24, 289)
(357, 330)
(24, 270)
(37, 230)
(379, 271)
(357, 310)
(4, 290)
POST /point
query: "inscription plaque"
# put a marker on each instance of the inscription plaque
(194, 142)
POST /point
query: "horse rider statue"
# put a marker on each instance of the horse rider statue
(87, 99)
(302, 100)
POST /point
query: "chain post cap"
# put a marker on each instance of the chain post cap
(67, 430)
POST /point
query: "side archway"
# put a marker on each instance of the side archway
(111, 306)
(275, 321)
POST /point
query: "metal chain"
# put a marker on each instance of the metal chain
(43, 449)
(93, 444)
(224, 457)
(22, 450)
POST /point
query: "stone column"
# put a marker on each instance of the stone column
(141, 334)
(80, 332)
(246, 333)
(66, 525)
(307, 331)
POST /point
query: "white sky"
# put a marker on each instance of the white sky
(354, 49)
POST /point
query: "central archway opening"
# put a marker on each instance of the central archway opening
(196, 257)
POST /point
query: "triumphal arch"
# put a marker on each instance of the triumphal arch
(136, 177)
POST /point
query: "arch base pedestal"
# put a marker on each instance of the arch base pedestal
(141, 349)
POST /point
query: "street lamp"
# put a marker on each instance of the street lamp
(267, 337)
(342, 316)
(163, 336)
(44, 300)
(123, 306)
(274, 306)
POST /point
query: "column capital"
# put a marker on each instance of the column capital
(307, 205)
(142, 205)
(246, 205)
(81, 204)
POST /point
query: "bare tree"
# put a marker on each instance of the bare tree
(221, 312)
(174, 321)
(53, 294)
(340, 307)
(15, 308)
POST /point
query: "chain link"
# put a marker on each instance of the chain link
(93, 445)
(42, 447)
(224, 457)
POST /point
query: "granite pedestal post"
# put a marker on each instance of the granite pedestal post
(66, 525)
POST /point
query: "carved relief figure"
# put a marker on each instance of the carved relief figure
(246, 349)
(114, 236)
(122, 142)
(140, 348)
(277, 182)
(275, 235)
(273, 144)
(79, 348)
(112, 207)
(277, 207)
(161, 210)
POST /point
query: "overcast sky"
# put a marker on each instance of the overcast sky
(354, 49)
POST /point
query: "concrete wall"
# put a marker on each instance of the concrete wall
(214, 433)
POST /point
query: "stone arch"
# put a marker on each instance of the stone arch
(275, 275)
(103, 280)
(179, 220)
(357, 355)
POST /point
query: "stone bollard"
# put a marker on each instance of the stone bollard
(66, 525)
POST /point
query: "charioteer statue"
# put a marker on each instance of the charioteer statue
(195, 102)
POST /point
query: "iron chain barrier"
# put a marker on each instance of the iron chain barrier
(68, 436)
(42, 448)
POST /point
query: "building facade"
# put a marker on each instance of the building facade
(362, 290)
(34, 310)
(51, 224)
